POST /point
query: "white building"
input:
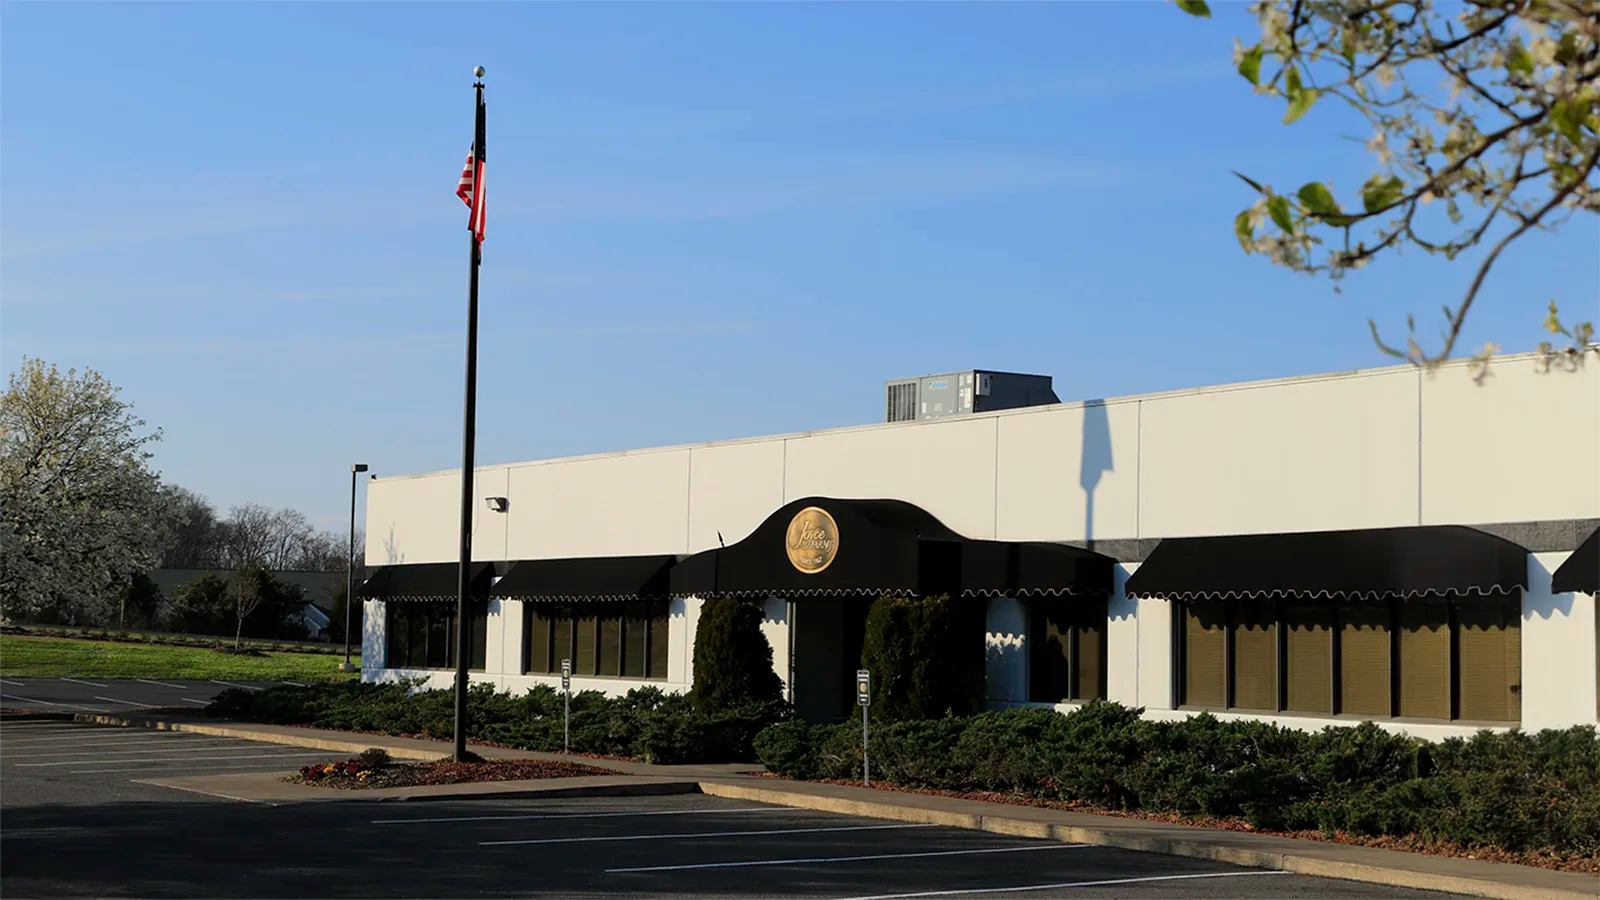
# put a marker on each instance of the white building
(1302, 560)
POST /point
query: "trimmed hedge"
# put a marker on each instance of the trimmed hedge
(647, 723)
(1516, 791)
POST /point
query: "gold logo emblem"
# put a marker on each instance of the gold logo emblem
(812, 540)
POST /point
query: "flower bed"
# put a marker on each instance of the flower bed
(375, 770)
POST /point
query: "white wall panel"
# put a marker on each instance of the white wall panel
(946, 468)
(633, 504)
(1299, 456)
(1068, 473)
(732, 488)
(1523, 445)
(1558, 651)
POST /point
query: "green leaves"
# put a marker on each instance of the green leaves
(1300, 97)
(1250, 65)
(1195, 8)
(1244, 230)
(1278, 209)
(1247, 180)
(1519, 61)
(1381, 192)
(1316, 197)
(1569, 119)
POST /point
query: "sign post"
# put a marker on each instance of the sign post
(566, 706)
(864, 700)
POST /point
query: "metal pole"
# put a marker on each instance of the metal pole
(866, 772)
(350, 564)
(468, 438)
(566, 706)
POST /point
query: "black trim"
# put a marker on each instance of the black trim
(426, 581)
(591, 578)
(1369, 563)
(1581, 571)
(890, 546)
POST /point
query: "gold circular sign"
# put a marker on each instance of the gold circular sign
(812, 540)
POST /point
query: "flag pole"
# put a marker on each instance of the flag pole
(469, 435)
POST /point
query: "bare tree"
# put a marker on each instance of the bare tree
(195, 534)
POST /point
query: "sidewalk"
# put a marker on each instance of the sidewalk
(734, 781)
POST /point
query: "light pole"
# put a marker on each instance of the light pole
(350, 568)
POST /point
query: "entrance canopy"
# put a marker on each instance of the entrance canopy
(1581, 571)
(587, 579)
(824, 546)
(426, 581)
(1348, 565)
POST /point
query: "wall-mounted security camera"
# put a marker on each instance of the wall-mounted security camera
(498, 504)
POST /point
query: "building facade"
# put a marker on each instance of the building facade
(1376, 544)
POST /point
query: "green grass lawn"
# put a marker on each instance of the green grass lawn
(39, 657)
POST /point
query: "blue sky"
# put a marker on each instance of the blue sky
(705, 221)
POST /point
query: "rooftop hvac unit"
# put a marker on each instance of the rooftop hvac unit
(963, 393)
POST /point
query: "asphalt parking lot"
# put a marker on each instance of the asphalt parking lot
(106, 695)
(78, 821)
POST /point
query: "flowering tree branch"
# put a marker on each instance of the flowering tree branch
(1514, 131)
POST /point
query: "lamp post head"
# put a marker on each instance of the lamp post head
(359, 467)
(478, 71)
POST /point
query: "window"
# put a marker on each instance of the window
(605, 641)
(1067, 650)
(422, 635)
(1422, 658)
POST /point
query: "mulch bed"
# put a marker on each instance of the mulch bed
(1410, 843)
(476, 742)
(352, 774)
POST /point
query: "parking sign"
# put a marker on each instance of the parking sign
(863, 687)
(566, 674)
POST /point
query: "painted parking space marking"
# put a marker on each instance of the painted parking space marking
(81, 681)
(604, 815)
(231, 684)
(12, 683)
(124, 702)
(187, 770)
(293, 683)
(163, 684)
(193, 700)
(1065, 884)
(80, 762)
(48, 702)
(818, 860)
(702, 834)
(55, 737)
(139, 748)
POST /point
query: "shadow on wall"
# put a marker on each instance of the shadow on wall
(1095, 460)
(392, 555)
(1538, 600)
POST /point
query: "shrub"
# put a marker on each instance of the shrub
(732, 659)
(1514, 790)
(373, 758)
(647, 723)
(925, 656)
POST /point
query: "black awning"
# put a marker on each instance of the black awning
(1581, 571)
(1372, 563)
(870, 547)
(587, 578)
(425, 581)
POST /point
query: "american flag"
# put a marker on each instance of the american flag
(470, 189)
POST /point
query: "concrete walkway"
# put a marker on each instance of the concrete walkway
(1390, 867)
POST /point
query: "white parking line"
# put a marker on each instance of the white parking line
(124, 702)
(7, 751)
(98, 754)
(46, 702)
(198, 770)
(79, 762)
(231, 684)
(12, 683)
(55, 737)
(292, 683)
(702, 834)
(193, 700)
(80, 681)
(163, 684)
(605, 815)
(1065, 884)
(836, 859)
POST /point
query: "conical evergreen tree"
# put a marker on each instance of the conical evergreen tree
(732, 659)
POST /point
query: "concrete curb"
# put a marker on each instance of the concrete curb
(1197, 848)
(265, 737)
